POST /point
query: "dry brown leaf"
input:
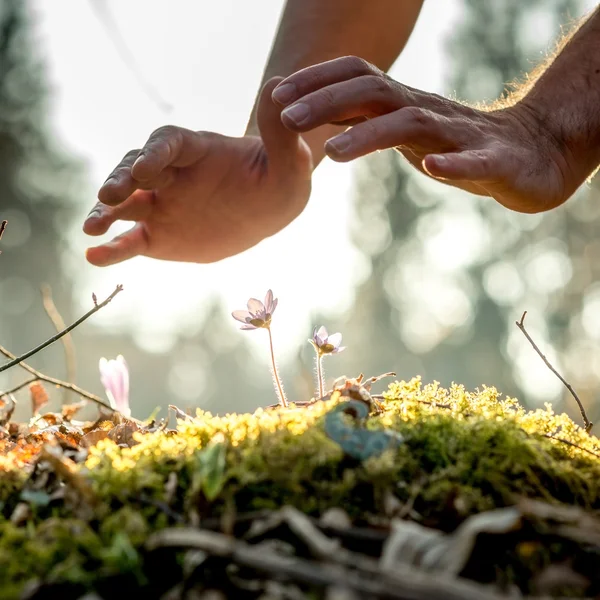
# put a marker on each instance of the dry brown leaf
(39, 396)
(93, 437)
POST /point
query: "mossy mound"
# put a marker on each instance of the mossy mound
(462, 453)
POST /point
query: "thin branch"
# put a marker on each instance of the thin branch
(59, 323)
(19, 387)
(63, 384)
(587, 423)
(56, 337)
(2, 229)
(572, 444)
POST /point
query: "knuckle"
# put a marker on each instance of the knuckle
(327, 97)
(418, 116)
(128, 159)
(165, 132)
(358, 66)
(370, 129)
(377, 83)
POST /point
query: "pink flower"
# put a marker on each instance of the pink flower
(114, 376)
(258, 314)
(326, 344)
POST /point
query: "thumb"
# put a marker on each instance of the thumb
(469, 165)
(284, 148)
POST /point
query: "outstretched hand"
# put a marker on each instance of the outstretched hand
(201, 196)
(507, 154)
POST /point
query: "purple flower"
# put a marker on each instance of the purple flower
(326, 344)
(114, 376)
(258, 314)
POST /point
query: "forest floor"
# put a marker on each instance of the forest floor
(426, 494)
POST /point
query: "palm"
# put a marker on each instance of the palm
(201, 197)
(226, 203)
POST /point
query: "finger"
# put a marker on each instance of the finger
(170, 146)
(121, 184)
(318, 76)
(470, 165)
(411, 127)
(125, 246)
(367, 96)
(136, 208)
(282, 145)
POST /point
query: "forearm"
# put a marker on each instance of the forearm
(566, 99)
(313, 31)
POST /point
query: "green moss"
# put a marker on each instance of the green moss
(462, 453)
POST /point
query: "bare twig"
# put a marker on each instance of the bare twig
(19, 359)
(2, 228)
(59, 323)
(587, 423)
(19, 387)
(572, 444)
(51, 380)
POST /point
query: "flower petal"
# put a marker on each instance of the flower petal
(321, 335)
(241, 315)
(273, 306)
(255, 306)
(269, 301)
(338, 350)
(335, 339)
(248, 327)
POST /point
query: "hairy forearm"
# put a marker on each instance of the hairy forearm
(566, 99)
(313, 31)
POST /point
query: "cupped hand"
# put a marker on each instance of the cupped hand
(201, 196)
(508, 154)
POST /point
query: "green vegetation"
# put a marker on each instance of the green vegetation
(463, 453)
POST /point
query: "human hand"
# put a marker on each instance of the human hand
(201, 196)
(507, 154)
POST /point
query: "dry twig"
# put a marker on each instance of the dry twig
(20, 386)
(587, 423)
(59, 323)
(18, 359)
(53, 381)
(572, 444)
(2, 228)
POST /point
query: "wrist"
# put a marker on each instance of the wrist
(557, 141)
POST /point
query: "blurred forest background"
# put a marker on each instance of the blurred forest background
(448, 274)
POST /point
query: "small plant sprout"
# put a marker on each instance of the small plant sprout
(114, 375)
(324, 344)
(258, 316)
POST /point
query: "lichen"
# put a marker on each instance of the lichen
(462, 453)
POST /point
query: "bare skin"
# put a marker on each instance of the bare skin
(529, 156)
(200, 196)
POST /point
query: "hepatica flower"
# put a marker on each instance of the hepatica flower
(114, 375)
(258, 316)
(324, 344)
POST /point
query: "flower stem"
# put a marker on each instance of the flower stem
(280, 392)
(320, 374)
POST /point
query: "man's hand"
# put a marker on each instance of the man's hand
(200, 196)
(507, 154)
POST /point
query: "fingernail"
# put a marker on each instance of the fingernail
(284, 94)
(297, 113)
(94, 214)
(439, 159)
(339, 143)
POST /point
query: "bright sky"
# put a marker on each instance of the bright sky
(205, 58)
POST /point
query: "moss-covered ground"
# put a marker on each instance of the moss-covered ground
(462, 453)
